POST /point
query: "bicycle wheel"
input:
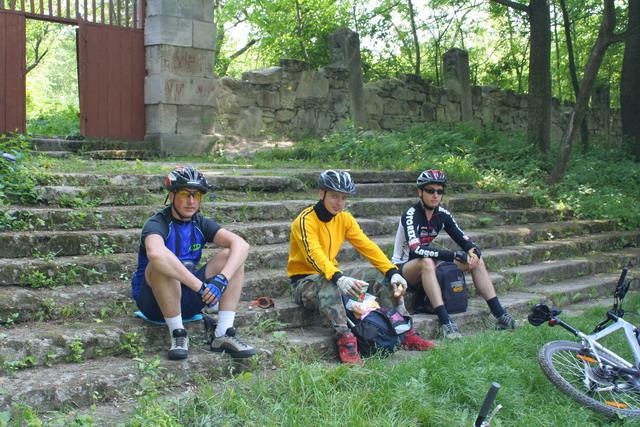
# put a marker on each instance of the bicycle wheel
(580, 377)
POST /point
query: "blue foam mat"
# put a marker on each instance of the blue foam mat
(193, 318)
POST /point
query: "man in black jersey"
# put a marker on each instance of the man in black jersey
(167, 284)
(417, 259)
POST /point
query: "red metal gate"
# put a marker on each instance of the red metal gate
(12, 73)
(111, 63)
(111, 68)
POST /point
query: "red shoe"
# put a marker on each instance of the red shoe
(348, 349)
(412, 341)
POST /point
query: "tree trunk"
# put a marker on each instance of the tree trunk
(605, 38)
(299, 27)
(539, 122)
(630, 82)
(539, 111)
(584, 128)
(416, 41)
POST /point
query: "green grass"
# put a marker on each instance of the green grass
(443, 387)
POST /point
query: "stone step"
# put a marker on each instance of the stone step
(118, 154)
(83, 145)
(103, 299)
(286, 187)
(80, 385)
(267, 264)
(21, 244)
(223, 177)
(55, 342)
(525, 276)
(75, 340)
(66, 270)
(580, 290)
(96, 218)
(115, 378)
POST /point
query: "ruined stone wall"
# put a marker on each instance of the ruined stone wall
(189, 110)
(293, 100)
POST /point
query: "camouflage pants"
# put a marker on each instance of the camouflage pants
(314, 292)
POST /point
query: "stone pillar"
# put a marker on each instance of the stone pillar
(456, 79)
(344, 50)
(601, 106)
(180, 87)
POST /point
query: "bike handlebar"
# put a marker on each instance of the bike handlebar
(486, 405)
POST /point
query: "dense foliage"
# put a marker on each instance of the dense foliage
(52, 82)
(17, 179)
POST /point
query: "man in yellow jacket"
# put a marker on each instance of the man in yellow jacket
(317, 235)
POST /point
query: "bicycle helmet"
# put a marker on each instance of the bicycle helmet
(431, 176)
(339, 181)
(186, 177)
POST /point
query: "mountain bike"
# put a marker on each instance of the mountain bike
(484, 418)
(589, 372)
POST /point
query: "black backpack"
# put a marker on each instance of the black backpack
(380, 332)
(454, 290)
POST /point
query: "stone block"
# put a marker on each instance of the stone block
(191, 9)
(267, 99)
(211, 121)
(392, 106)
(169, 30)
(183, 145)
(177, 60)
(185, 91)
(285, 115)
(249, 122)
(204, 35)
(265, 76)
(288, 94)
(304, 122)
(189, 120)
(404, 94)
(373, 102)
(312, 85)
(161, 118)
(325, 121)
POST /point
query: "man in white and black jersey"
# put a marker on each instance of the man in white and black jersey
(419, 225)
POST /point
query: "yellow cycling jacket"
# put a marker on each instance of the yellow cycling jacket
(314, 244)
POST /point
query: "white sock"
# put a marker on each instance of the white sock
(174, 323)
(225, 321)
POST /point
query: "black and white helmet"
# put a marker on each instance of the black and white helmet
(186, 177)
(339, 181)
(431, 176)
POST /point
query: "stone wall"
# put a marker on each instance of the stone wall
(189, 110)
(293, 100)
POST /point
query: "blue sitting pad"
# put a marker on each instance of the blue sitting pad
(193, 318)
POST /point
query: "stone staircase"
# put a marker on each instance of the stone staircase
(94, 149)
(68, 338)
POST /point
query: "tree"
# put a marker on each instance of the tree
(606, 37)
(630, 81)
(539, 114)
(584, 129)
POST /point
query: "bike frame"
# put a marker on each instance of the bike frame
(591, 341)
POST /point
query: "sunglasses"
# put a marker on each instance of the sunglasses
(197, 195)
(440, 191)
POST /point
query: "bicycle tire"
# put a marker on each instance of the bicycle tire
(559, 362)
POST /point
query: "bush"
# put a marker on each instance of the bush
(17, 181)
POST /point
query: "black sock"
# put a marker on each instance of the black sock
(495, 307)
(443, 316)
